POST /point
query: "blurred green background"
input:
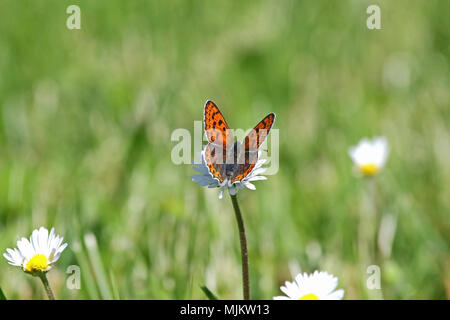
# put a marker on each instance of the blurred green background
(86, 118)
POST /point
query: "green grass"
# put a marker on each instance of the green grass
(86, 117)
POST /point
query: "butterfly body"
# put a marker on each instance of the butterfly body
(234, 161)
(231, 161)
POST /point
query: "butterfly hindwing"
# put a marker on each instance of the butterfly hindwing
(214, 166)
(247, 165)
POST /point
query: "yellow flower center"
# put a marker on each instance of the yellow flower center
(38, 263)
(369, 169)
(309, 296)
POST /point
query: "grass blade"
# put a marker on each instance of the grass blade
(83, 261)
(2, 295)
(96, 262)
(208, 293)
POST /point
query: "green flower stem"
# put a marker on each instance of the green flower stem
(43, 277)
(244, 251)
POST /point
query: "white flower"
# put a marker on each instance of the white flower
(369, 156)
(206, 179)
(316, 286)
(37, 254)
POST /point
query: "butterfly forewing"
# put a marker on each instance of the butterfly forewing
(259, 133)
(216, 127)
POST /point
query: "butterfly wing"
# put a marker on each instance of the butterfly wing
(245, 166)
(219, 137)
(259, 133)
(212, 154)
(216, 127)
(252, 142)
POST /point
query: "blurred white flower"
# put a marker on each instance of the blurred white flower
(206, 179)
(37, 254)
(316, 286)
(369, 156)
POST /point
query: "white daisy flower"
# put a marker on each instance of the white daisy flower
(316, 286)
(206, 179)
(369, 156)
(37, 254)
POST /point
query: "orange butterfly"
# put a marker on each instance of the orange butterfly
(230, 161)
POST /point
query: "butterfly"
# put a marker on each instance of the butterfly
(227, 160)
